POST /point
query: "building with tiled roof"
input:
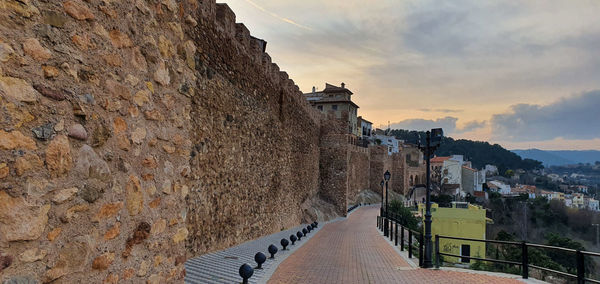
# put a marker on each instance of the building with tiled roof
(338, 102)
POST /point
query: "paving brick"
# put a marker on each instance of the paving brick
(353, 251)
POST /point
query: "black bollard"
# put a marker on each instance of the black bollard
(304, 231)
(260, 258)
(246, 272)
(309, 228)
(293, 238)
(284, 243)
(299, 235)
(313, 225)
(316, 224)
(272, 250)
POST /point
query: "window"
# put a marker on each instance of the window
(334, 107)
(320, 108)
(465, 250)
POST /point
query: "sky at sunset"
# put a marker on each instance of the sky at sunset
(524, 74)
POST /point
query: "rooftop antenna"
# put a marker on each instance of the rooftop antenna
(388, 129)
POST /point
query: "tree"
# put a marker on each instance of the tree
(407, 219)
(509, 173)
(443, 200)
(567, 259)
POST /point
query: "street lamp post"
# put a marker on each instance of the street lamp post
(381, 209)
(433, 140)
(386, 177)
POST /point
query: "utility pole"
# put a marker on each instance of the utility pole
(597, 234)
(434, 136)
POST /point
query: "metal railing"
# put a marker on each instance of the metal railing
(524, 263)
(407, 236)
(393, 223)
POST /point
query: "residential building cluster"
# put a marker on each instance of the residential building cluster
(451, 175)
(573, 197)
(454, 176)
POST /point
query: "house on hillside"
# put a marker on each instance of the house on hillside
(436, 164)
(593, 204)
(338, 102)
(469, 180)
(568, 201)
(578, 201)
(499, 187)
(519, 189)
(582, 188)
(391, 142)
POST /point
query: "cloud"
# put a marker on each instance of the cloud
(466, 59)
(447, 123)
(445, 110)
(277, 16)
(472, 125)
(574, 117)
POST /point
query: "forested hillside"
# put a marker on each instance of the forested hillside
(478, 152)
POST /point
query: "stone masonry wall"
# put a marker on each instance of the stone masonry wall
(255, 157)
(358, 172)
(333, 166)
(137, 134)
(379, 162)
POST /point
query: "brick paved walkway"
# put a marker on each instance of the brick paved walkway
(353, 251)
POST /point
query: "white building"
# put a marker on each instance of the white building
(578, 201)
(469, 180)
(390, 141)
(555, 178)
(459, 158)
(452, 172)
(594, 205)
(500, 187)
(472, 180)
(365, 127)
(480, 180)
(568, 202)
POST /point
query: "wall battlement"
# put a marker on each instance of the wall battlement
(225, 19)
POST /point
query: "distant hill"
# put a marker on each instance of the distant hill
(560, 157)
(478, 152)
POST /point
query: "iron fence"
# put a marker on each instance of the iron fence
(393, 223)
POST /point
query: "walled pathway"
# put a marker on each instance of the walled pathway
(353, 251)
(222, 267)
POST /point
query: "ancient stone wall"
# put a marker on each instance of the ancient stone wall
(398, 164)
(256, 141)
(333, 166)
(358, 172)
(137, 134)
(379, 162)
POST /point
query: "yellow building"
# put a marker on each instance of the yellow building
(463, 220)
(578, 200)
